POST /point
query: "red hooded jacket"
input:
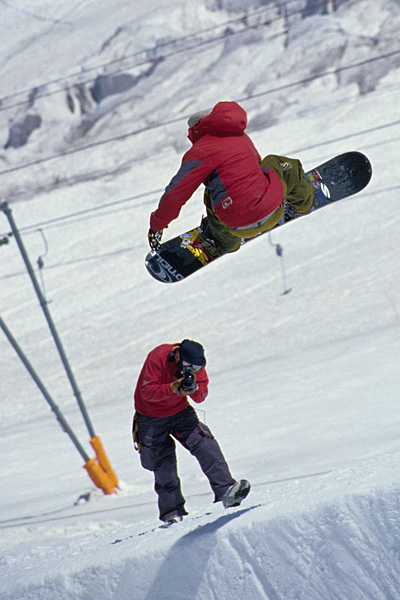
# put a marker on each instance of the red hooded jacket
(153, 394)
(225, 159)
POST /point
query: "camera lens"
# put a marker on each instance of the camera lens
(189, 381)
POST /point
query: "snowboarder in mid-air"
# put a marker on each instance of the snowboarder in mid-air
(171, 374)
(244, 194)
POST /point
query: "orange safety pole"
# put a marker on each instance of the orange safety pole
(101, 472)
(99, 476)
(103, 460)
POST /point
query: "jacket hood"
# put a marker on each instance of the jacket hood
(226, 118)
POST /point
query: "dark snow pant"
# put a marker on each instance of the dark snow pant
(297, 191)
(157, 454)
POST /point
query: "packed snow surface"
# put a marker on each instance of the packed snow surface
(302, 350)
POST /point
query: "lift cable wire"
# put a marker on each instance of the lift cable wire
(81, 215)
(118, 251)
(150, 53)
(149, 127)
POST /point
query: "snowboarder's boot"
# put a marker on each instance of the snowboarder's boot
(289, 214)
(206, 231)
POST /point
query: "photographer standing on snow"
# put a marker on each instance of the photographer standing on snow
(171, 374)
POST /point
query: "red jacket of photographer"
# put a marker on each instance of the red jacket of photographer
(153, 394)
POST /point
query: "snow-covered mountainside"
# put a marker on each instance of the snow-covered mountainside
(304, 385)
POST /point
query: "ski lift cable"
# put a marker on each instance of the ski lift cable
(150, 52)
(150, 127)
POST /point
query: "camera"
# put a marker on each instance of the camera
(189, 380)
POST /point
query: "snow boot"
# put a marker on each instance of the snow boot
(236, 493)
(172, 518)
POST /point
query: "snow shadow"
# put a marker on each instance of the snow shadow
(184, 567)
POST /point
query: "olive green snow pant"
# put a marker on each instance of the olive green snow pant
(297, 191)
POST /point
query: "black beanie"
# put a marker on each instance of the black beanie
(192, 353)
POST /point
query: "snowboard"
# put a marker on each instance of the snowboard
(181, 256)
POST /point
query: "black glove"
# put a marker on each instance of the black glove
(154, 239)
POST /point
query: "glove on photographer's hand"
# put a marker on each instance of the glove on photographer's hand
(175, 388)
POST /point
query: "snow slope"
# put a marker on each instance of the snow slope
(304, 386)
